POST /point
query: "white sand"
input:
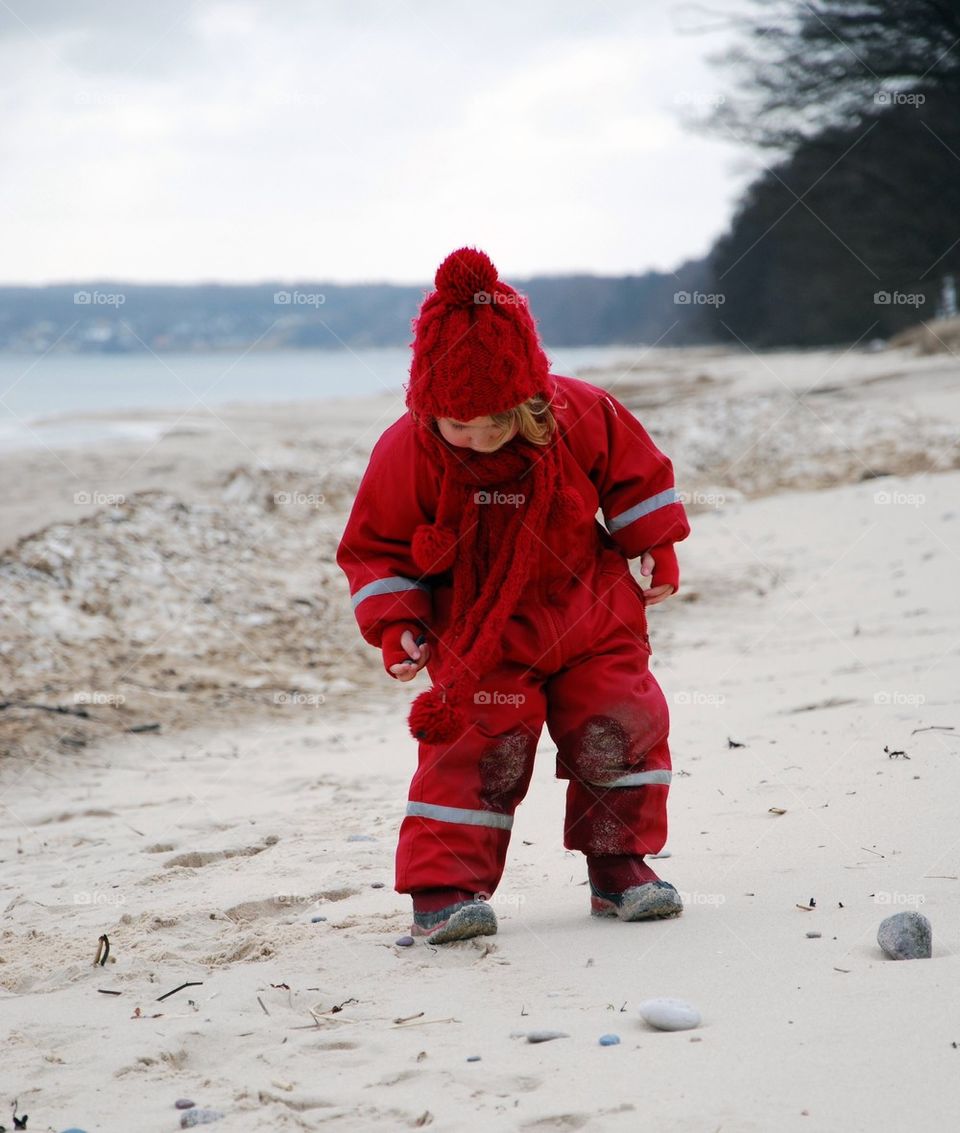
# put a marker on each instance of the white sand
(816, 627)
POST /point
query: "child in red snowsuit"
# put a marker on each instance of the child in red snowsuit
(473, 549)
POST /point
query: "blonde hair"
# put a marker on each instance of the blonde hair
(534, 420)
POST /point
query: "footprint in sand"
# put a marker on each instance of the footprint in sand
(575, 1120)
(509, 1085)
(281, 904)
(196, 859)
(67, 815)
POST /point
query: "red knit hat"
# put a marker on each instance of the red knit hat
(475, 353)
(475, 348)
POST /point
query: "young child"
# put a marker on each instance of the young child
(473, 549)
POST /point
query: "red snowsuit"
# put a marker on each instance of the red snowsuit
(575, 656)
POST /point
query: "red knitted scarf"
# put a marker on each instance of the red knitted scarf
(491, 517)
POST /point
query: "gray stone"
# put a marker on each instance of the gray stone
(670, 1014)
(199, 1117)
(906, 936)
(545, 1036)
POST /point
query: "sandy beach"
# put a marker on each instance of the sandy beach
(200, 756)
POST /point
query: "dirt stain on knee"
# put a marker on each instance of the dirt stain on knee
(504, 768)
(601, 751)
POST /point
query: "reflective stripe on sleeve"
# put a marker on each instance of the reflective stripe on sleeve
(387, 586)
(463, 817)
(637, 779)
(661, 499)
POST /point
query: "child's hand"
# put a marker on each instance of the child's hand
(417, 650)
(653, 594)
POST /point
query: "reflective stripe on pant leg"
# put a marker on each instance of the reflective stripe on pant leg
(460, 815)
(636, 779)
(461, 801)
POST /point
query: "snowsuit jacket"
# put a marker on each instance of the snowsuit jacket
(607, 456)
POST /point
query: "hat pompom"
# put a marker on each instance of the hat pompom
(565, 507)
(465, 274)
(434, 720)
(433, 547)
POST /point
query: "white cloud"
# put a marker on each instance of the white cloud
(351, 141)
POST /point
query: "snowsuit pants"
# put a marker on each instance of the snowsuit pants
(576, 660)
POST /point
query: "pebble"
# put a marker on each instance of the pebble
(404, 941)
(545, 1036)
(199, 1117)
(670, 1014)
(609, 1040)
(662, 854)
(473, 1058)
(376, 884)
(360, 838)
(906, 936)
(317, 920)
(814, 935)
(74, 1129)
(184, 1103)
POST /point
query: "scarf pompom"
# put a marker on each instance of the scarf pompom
(433, 547)
(434, 720)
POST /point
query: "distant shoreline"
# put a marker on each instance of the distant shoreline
(51, 400)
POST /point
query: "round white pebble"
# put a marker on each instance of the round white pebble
(670, 1014)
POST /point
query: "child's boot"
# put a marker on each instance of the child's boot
(624, 886)
(443, 915)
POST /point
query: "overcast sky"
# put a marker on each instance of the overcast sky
(352, 140)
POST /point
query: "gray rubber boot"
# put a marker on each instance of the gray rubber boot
(651, 901)
(455, 922)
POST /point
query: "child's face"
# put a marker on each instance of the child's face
(480, 434)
